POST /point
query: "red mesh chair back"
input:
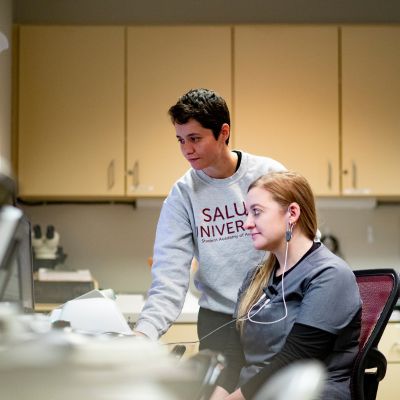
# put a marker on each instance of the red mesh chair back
(379, 290)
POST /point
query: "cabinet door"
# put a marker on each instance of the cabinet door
(286, 99)
(182, 333)
(389, 387)
(389, 345)
(71, 111)
(164, 63)
(371, 98)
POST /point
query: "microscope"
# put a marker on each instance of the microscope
(47, 252)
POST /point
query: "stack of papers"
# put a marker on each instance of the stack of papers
(93, 312)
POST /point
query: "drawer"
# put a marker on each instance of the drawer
(389, 344)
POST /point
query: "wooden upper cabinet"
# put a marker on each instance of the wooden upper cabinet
(371, 116)
(162, 64)
(71, 111)
(287, 99)
(93, 102)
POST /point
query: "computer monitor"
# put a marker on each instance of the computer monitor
(25, 263)
(16, 272)
(7, 188)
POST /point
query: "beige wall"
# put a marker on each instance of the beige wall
(114, 240)
(5, 81)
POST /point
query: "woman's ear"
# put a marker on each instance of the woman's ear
(293, 213)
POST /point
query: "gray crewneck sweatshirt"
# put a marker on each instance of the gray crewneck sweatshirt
(202, 217)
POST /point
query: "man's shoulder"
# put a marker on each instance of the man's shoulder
(186, 184)
(187, 181)
(262, 163)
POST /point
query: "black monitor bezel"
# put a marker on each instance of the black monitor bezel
(19, 250)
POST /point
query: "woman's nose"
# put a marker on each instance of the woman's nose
(248, 224)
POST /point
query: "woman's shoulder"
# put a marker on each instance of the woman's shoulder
(324, 263)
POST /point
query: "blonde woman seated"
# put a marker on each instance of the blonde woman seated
(302, 303)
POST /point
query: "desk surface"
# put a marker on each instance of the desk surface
(131, 306)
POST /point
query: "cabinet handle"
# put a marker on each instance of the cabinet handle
(329, 175)
(354, 175)
(134, 172)
(111, 175)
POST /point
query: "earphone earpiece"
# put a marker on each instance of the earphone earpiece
(289, 229)
(289, 233)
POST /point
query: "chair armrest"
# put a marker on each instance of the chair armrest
(375, 359)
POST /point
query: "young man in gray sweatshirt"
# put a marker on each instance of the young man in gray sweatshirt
(203, 217)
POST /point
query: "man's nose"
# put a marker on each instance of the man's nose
(187, 148)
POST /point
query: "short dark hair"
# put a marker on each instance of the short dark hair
(203, 105)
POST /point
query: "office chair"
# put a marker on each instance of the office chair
(178, 351)
(379, 290)
(302, 380)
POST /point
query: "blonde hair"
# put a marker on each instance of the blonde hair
(286, 188)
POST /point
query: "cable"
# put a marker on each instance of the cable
(208, 334)
(268, 300)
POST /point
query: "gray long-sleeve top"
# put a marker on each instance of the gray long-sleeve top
(202, 217)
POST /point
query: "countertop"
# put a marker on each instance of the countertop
(132, 304)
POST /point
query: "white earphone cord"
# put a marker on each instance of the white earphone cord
(247, 315)
(268, 300)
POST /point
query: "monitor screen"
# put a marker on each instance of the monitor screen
(16, 272)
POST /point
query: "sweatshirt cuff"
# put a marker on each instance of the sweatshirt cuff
(147, 329)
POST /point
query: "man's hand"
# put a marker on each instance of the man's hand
(219, 394)
(236, 395)
(141, 334)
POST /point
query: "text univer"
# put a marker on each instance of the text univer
(221, 216)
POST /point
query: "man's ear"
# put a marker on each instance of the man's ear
(225, 131)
